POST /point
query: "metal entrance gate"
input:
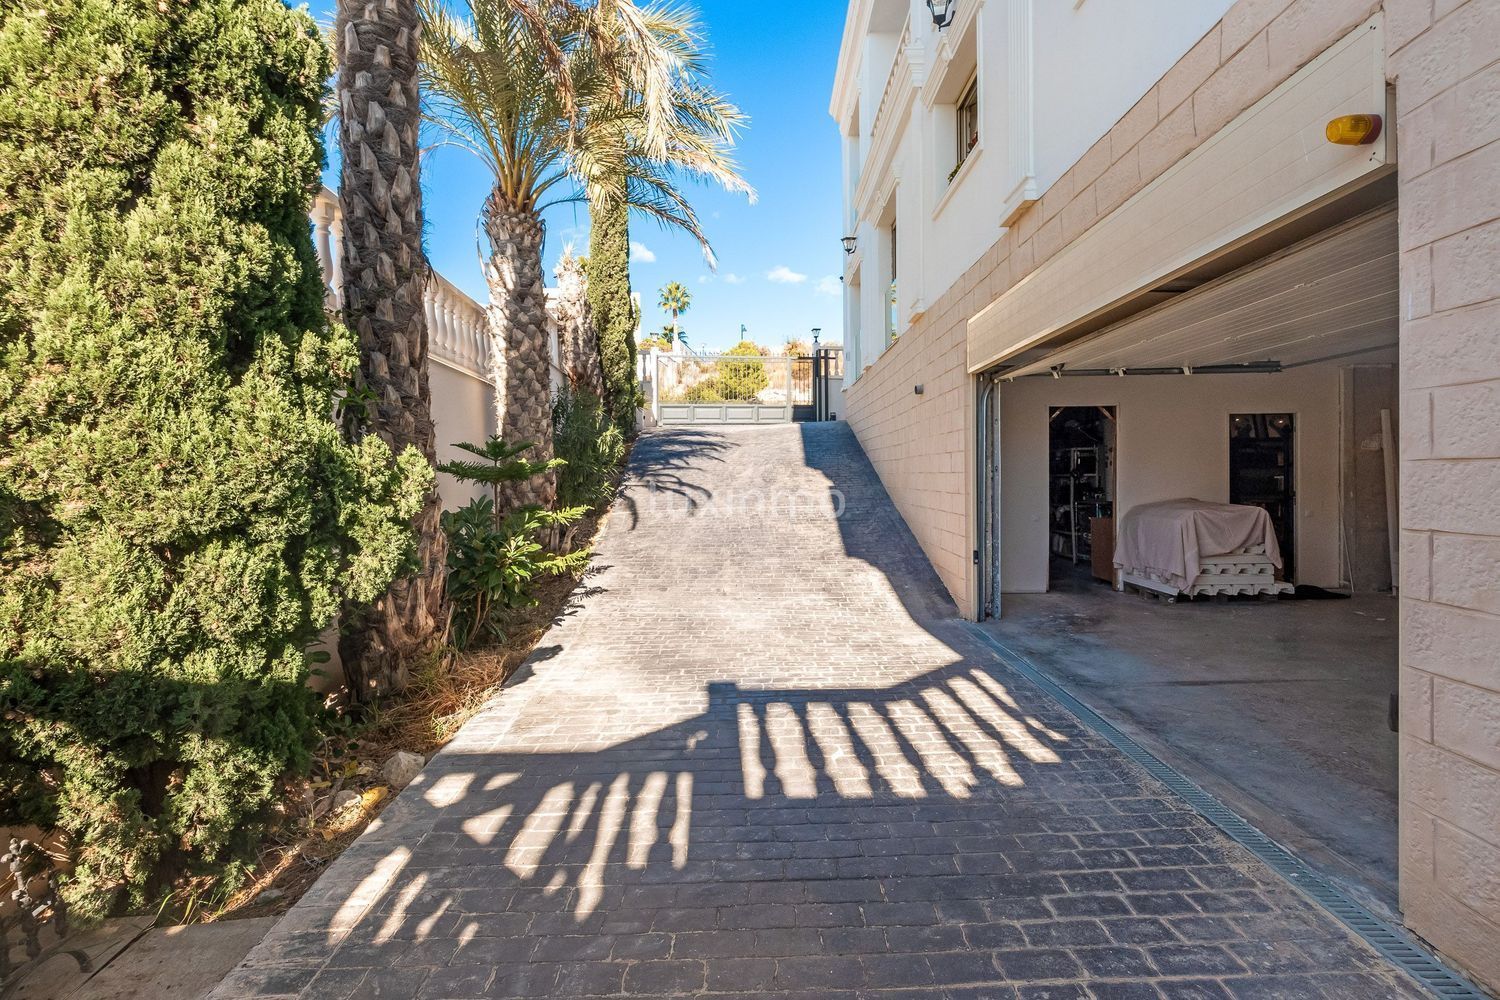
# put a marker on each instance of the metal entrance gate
(743, 389)
(721, 389)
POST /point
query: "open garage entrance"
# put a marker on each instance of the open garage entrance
(1196, 529)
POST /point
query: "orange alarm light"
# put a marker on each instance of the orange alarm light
(1354, 130)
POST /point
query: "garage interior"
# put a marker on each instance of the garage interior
(1265, 378)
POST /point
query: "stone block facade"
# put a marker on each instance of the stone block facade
(1443, 57)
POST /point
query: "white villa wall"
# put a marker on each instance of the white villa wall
(1172, 441)
(1094, 60)
(894, 99)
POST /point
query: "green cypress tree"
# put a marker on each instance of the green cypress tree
(614, 311)
(179, 513)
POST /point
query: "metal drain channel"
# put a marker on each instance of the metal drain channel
(1395, 944)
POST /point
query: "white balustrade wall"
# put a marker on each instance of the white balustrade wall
(458, 333)
(463, 397)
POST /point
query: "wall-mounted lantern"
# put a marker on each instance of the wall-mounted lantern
(942, 12)
(850, 242)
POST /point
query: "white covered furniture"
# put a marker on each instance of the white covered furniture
(1197, 548)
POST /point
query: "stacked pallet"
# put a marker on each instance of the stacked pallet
(1248, 572)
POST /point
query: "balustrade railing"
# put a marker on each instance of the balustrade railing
(458, 331)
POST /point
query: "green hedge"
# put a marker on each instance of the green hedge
(179, 514)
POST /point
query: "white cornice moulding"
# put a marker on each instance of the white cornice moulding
(880, 174)
(1019, 199)
(851, 52)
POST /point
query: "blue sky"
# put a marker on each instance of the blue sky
(779, 259)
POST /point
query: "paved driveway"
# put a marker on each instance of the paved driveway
(761, 759)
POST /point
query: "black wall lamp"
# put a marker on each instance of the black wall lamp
(942, 12)
(850, 242)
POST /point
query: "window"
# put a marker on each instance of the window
(968, 122)
(893, 315)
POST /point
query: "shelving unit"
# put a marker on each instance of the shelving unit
(1077, 496)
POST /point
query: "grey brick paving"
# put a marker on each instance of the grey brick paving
(759, 758)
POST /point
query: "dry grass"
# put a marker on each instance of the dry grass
(438, 702)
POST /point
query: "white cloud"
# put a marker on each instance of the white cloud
(641, 253)
(733, 279)
(830, 285)
(783, 275)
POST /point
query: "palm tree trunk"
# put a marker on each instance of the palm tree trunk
(574, 319)
(385, 275)
(521, 362)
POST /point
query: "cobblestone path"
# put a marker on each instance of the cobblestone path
(760, 758)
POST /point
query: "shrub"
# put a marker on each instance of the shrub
(179, 515)
(590, 444)
(742, 381)
(494, 558)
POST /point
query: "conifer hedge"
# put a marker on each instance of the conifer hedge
(179, 514)
(614, 311)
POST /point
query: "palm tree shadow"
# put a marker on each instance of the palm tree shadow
(661, 470)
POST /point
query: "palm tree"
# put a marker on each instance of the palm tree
(492, 82)
(385, 275)
(675, 299)
(703, 128)
(377, 109)
(632, 119)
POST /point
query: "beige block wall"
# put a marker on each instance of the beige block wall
(463, 408)
(1444, 56)
(1445, 60)
(921, 444)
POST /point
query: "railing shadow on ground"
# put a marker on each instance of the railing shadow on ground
(559, 866)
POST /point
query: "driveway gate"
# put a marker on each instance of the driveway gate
(722, 389)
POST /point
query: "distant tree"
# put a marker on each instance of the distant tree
(796, 348)
(670, 334)
(676, 300)
(743, 381)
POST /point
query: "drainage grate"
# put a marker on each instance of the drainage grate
(1391, 941)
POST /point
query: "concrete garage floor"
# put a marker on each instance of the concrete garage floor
(1278, 708)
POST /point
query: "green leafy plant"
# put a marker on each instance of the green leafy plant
(592, 445)
(180, 517)
(743, 381)
(495, 558)
(494, 562)
(499, 463)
